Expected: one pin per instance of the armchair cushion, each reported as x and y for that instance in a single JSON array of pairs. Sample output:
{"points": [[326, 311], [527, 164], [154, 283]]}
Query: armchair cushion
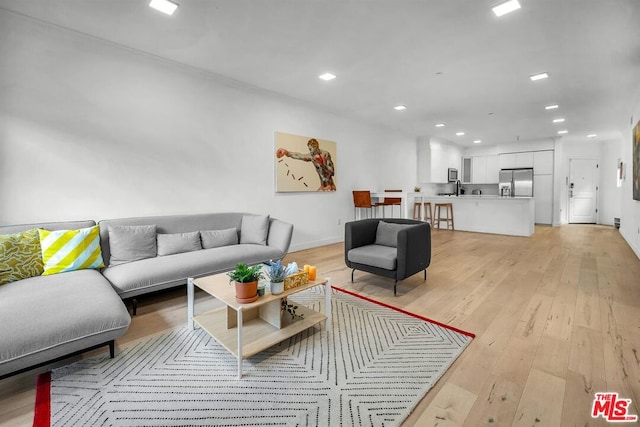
{"points": [[375, 255], [387, 233]]}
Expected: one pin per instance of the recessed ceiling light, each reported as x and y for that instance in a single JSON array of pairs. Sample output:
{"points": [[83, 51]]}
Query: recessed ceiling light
{"points": [[440, 125], [506, 7], [551, 107], [164, 6], [459, 133], [558, 120], [562, 132], [327, 76], [477, 141], [591, 135], [400, 107], [539, 76]]}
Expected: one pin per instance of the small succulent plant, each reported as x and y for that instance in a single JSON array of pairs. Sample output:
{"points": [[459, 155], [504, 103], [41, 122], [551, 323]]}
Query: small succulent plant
{"points": [[276, 272]]}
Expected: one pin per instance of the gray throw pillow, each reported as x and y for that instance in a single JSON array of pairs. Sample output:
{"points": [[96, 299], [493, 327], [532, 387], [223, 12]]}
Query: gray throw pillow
{"points": [[217, 238], [387, 233], [254, 229], [169, 244], [131, 243]]}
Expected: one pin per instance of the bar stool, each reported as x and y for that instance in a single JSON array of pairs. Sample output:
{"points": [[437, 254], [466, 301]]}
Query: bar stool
{"points": [[428, 216], [390, 201], [448, 208], [362, 200]]}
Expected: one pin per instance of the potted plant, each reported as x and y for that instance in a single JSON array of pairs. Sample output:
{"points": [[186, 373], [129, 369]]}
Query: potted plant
{"points": [[246, 280], [276, 273]]}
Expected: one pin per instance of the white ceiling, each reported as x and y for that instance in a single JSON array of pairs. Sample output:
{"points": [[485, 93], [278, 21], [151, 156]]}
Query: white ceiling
{"points": [[448, 61]]}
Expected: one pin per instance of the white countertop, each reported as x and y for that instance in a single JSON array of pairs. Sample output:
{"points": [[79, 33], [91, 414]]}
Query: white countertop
{"points": [[473, 196]]}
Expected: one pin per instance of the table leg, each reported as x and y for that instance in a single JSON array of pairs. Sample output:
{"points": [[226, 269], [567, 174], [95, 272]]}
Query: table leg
{"points": [[239, 342], [190, 292], [327, 304]]}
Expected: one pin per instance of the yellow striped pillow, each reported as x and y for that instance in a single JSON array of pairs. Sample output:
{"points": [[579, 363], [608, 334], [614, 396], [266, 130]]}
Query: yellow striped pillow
{"points": [[69, 250]]}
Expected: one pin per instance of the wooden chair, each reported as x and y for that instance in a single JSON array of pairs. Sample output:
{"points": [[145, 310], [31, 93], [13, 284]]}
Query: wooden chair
{"points": [[362, 200], [391, 201]]}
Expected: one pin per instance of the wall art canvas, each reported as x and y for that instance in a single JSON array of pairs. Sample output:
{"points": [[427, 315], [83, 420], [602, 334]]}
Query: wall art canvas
{"points": [[304, 163], [636, 162]]}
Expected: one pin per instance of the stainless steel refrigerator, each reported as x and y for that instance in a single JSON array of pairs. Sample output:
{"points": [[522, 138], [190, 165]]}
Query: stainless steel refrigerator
{"points": [[516, 182]]}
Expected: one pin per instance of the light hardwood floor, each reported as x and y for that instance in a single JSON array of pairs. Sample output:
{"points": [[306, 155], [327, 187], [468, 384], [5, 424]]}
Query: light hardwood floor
{"points": [[556, 318]]}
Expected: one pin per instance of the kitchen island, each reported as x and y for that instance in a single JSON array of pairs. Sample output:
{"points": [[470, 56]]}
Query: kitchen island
{"points": [[514, 216]]}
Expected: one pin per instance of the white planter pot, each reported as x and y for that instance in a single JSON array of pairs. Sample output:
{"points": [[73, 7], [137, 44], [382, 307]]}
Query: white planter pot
{"points": [[277, 288]]}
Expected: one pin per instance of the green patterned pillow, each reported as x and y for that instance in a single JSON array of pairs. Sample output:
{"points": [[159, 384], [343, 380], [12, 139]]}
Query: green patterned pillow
{"points": [[70, 250], [20, 256]]}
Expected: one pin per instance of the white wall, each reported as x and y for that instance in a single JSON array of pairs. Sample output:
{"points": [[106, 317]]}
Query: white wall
{"points": [[93, 130], [610, 203], [630, 217]]}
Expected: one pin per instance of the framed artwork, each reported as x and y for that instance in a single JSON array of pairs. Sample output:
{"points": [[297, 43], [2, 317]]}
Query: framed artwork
{"points": [[304, 163], [636, 162]]}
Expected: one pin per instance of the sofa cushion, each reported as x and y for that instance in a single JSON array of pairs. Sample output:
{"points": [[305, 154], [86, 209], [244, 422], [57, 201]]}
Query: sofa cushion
{"points": [[70, 250], [46, 317], [387, 233], [131, 243], [254, 229], [380, 256], [176, 243], [20, 256], [139, 277], [217, 238]]}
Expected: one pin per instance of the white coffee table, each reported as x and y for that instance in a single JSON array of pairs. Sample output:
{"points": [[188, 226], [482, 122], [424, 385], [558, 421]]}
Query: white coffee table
{"points": [[247, 329]]}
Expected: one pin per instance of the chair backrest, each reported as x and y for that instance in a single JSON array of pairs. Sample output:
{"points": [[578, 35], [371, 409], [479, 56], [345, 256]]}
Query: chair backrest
{"points": [[362, 199], [392, 200]]}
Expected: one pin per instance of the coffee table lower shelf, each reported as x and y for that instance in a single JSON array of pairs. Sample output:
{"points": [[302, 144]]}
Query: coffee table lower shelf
{"points": [[257, 334]]}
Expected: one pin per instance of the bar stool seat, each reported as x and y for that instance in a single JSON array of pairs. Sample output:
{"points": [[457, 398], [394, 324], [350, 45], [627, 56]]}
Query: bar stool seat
{"points": [[448, 218]]}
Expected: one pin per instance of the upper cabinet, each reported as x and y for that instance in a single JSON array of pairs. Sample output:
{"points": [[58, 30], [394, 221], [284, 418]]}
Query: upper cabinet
{"points": [[543, 162], [434, 160], [466, 170], [485, 169], [507, 161], [524, 160]]}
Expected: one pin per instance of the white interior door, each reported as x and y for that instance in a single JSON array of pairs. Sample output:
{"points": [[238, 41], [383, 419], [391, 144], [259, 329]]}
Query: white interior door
{"points": [[583, 190]]}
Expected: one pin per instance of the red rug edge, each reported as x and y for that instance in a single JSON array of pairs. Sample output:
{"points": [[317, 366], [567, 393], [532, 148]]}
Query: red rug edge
{"points": [[42, 412], [426, 319]]}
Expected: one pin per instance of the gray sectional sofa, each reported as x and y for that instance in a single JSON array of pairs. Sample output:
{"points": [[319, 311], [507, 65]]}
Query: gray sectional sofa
{"points": [[45, 318]]}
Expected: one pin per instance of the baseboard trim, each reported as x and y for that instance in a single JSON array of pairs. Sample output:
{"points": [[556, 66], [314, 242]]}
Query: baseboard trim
{"points": [[629, 241], [314, 244]]}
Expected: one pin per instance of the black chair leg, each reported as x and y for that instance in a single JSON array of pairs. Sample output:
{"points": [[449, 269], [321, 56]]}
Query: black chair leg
{"points": [[352, 271], [112, 348], [425, 274], [395, 285]]}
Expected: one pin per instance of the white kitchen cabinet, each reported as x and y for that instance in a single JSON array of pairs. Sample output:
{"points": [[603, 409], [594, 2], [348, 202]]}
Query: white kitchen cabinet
{"points": [[524, 159], [543, 162], [543, 195], [466, 170], [493, 169], [507, 161], [485, 169], [478, 169], [435, 159]]}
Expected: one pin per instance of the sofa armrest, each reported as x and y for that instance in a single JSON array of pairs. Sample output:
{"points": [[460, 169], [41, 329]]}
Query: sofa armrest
{"points": [[414, 250], [280, 234]]}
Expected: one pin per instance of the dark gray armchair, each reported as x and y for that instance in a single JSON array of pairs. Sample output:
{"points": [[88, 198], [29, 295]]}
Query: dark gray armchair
{"points": [[390, 247]]}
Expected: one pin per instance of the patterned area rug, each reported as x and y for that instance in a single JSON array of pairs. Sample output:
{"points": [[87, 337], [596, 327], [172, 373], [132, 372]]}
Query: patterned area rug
{"points": [[371, 368]]}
